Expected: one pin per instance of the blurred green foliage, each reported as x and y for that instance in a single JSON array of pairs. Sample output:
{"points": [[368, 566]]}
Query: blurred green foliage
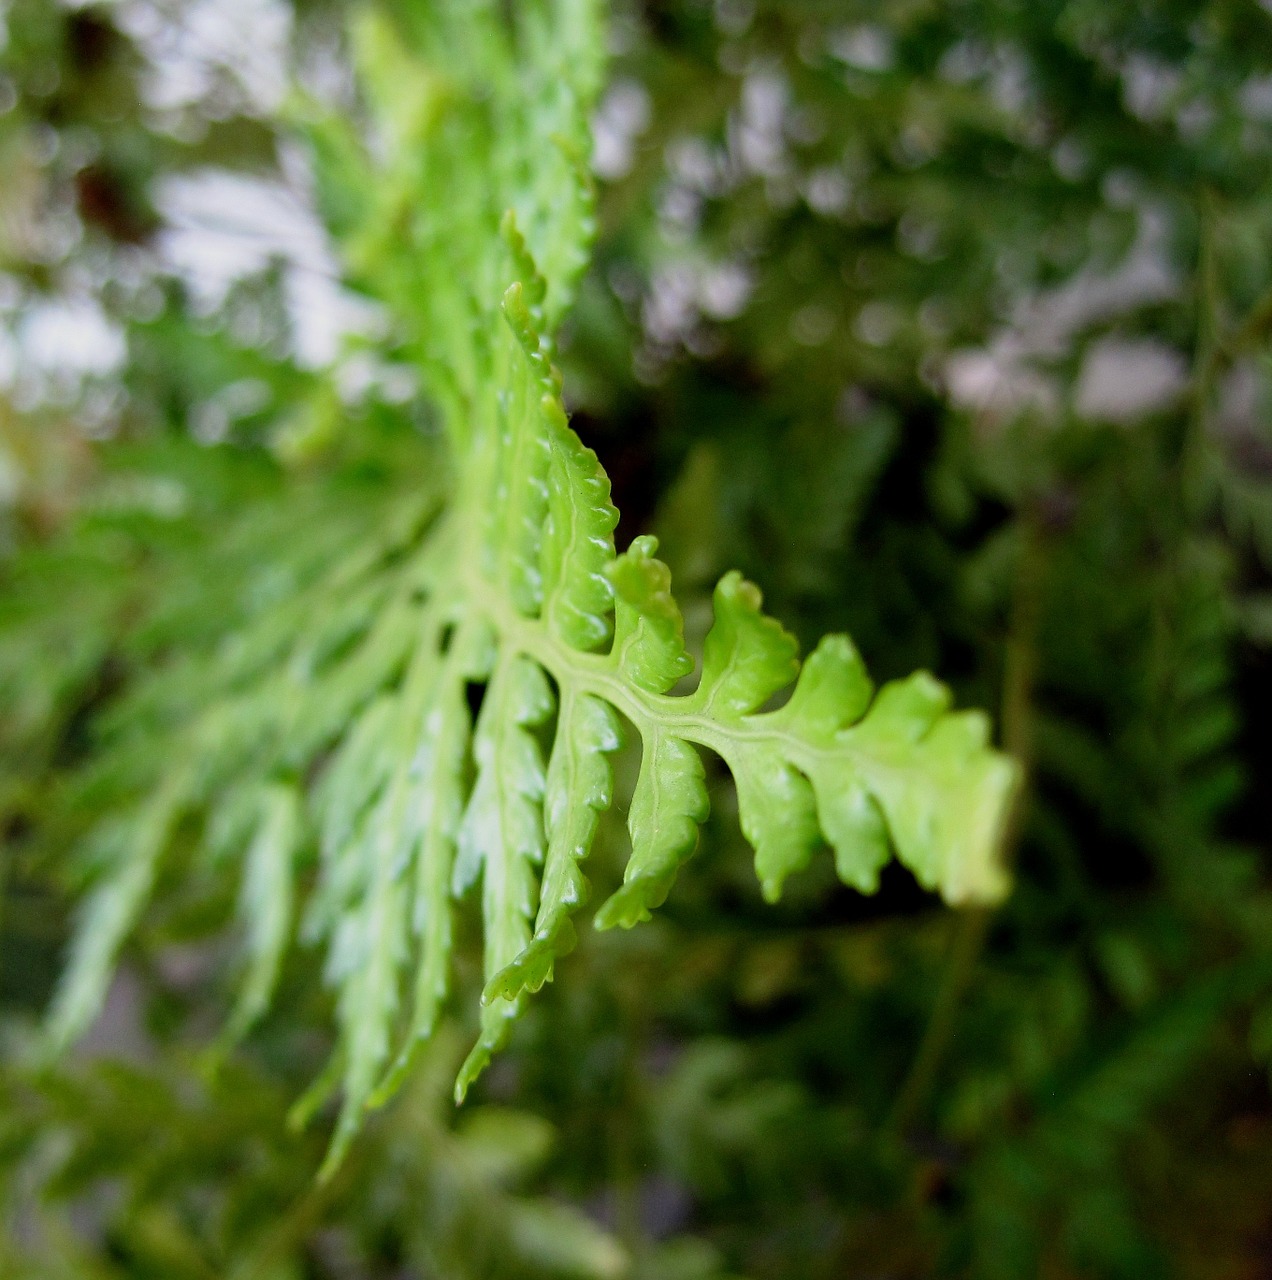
{"points": [[948, 324]]}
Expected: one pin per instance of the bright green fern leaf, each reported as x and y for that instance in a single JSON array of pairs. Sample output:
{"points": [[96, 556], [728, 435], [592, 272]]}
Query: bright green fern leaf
{"points": [[470, 220]]}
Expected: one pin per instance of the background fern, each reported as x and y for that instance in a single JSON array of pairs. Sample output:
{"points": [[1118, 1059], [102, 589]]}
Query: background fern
{"points": [[857, 275]]}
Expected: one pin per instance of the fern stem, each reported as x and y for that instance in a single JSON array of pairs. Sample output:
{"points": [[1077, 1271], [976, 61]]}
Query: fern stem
{"points": [[969, 937], [972, 926], [296, 1223], [651, 713]]}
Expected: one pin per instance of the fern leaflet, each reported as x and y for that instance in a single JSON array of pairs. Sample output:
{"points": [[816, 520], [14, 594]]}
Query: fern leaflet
{"points": [[471, 222]]}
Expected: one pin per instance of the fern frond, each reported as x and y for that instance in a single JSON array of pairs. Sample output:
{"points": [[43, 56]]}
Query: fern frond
{"points": [[472, 225]]}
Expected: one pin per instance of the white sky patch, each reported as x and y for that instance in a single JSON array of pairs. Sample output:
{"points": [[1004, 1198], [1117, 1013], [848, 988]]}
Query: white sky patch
{"points": [[756, 128], [1125, 379], [865, 48], [195, 47], [1011, 372], [1255, 98], [8, 357], [724, 289], [624, 114], [222, 226], [69, 338]]}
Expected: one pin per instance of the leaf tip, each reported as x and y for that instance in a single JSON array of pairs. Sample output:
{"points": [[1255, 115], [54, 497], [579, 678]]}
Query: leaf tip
{"points": [[771, 889]]}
